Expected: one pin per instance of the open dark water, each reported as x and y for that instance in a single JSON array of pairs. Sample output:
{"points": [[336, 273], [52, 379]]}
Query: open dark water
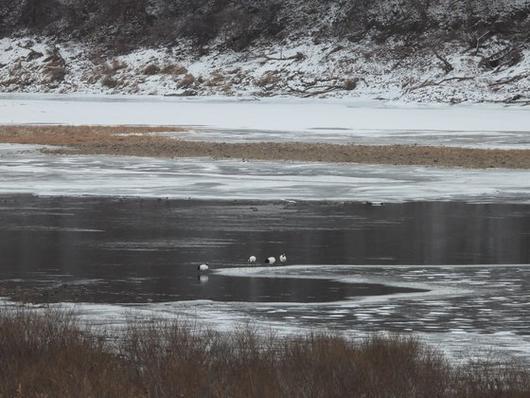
{"points": [[106, 250]]}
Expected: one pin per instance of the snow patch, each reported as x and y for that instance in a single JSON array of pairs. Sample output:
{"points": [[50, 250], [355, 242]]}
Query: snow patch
{"points": [[299, 67]]}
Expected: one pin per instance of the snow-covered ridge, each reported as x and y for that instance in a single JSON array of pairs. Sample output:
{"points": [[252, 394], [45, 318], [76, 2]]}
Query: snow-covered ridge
{"points": [[295, 68]]}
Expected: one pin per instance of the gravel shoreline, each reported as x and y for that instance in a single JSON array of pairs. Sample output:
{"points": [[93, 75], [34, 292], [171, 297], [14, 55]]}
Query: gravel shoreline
{"points": [[143, 141]]}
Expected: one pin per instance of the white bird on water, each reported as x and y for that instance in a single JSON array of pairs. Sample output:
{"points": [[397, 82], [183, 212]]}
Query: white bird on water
{"points": [[202, 268], [283, 258], [252, 259], [270, 260]]}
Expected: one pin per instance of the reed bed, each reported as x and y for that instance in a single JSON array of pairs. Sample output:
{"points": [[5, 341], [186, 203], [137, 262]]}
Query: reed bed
{"points": [[52, 355]]}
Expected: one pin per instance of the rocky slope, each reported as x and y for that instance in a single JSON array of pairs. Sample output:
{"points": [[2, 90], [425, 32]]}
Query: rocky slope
{"points": [[413, 50]]}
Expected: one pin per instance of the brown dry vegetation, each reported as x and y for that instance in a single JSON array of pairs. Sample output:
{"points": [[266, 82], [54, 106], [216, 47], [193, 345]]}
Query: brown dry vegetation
{"points": [[50, 355], [175, 70], [78, 135], [104, 140], [151, 69]]}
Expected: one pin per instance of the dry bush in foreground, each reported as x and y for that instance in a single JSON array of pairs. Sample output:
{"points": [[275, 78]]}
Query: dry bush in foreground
{"points": [[51, 355]]}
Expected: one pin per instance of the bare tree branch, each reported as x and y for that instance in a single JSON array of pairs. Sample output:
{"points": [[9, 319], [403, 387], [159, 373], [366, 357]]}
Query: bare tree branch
{"points": [[447, 67], [430, 83], [333, 51], [479, 42], [508, 56], [297, 57], [510, 80], [312, 89]]}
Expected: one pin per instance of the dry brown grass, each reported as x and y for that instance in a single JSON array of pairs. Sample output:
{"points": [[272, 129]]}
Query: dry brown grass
{"points": [[174, 69], [151, 69], [134, 142], [109, 81], [269, 78], [51, 355], [187, 81], [216, 79], [79, 135]]}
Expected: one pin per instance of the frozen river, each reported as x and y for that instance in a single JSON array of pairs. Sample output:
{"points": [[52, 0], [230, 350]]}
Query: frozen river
{"points": [[24, 169], [439, 252], [444, 270], [280, 119]]}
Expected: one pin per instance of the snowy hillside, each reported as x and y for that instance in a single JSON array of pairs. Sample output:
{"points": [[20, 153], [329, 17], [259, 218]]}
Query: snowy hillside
{"points": [[447, 51]]}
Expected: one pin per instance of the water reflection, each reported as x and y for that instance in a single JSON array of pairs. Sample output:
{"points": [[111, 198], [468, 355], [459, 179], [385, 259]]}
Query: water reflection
{"points": [[135, 250]]}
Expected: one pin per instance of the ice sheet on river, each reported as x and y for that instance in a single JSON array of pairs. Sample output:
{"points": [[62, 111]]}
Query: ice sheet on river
{"points": [[281, 119], [23, 169], [471, 310]]}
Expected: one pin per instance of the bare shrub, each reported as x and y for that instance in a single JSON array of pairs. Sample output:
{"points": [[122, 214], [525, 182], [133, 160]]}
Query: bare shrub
{"points": [[269, 78], [505, 58], [491, 380], [109, 82], [116, 65], [187, 81], [55, 73], [299, 56], [105, 71], [55, 67], [216, 79], [151, 69], [51, 355], [33, 55], [350, 84], [175, 70], [227, 89]]}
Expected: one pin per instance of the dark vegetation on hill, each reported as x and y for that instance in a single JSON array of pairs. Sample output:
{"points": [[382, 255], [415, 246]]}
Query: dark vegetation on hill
{"points": [[447, 51], [235, 24]]}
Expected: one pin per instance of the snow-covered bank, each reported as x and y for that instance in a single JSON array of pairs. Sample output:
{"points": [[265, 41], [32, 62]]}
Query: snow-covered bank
{"points": [[298, 67], [309, 120], [25, 170]]}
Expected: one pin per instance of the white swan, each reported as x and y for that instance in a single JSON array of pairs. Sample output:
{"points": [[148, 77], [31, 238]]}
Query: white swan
{"points": [[270, 260], [283, 258], [202, 268], [252, 259]]}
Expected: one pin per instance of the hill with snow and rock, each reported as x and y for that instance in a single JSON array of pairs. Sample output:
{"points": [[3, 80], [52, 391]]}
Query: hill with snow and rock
{"points": [[412, 50]]}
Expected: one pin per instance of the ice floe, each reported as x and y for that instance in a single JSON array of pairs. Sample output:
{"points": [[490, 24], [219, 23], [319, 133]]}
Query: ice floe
{"points": [[23, 169]]}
